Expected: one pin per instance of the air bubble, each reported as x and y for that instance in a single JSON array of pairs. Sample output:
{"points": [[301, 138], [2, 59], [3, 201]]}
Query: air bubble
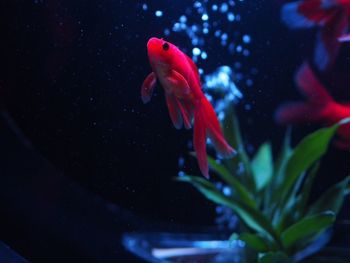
{"points": [[246, 39], [224, 37], [223, 8], [196, 51], [230, 17], [205, 17], [166, 32], [197, 4], [183, 19], [246, 52], [227, 191], [181, 174], [159, 13]]}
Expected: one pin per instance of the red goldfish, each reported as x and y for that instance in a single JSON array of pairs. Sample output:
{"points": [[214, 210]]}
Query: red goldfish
{"points": [[331, 16], [320, 107], [179, 77]]}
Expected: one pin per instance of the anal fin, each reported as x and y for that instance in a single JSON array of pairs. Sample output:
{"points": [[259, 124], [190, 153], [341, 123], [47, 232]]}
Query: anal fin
{"points": [[147, 87]]}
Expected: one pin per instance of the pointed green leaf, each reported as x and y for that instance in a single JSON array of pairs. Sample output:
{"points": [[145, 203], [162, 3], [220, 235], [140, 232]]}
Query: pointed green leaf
{"points": [[233, 135], [332, 199], [304, 194], [283, 158], [307, 152], [262, 166], [231, 129], [311, 225], [236, 185], [293, 210], [273, 194]]}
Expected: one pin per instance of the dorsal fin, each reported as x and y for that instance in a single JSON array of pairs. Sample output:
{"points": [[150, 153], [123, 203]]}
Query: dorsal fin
{"points": [[194, 68]]}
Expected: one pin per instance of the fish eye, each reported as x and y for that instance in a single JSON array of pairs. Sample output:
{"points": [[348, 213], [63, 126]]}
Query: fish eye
{"points": [[166, 46]]}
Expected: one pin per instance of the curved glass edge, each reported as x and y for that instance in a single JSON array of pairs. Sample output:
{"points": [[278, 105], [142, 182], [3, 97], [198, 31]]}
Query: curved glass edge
{"points": [[167, 247]]}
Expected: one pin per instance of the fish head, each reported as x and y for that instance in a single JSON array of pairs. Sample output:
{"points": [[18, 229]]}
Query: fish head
{"points": [[161, 53]]}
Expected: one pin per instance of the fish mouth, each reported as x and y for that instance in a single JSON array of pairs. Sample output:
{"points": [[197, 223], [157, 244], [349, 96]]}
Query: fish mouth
{"points": [[153, 41]]}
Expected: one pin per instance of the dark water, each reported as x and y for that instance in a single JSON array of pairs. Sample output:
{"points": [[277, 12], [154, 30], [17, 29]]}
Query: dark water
{"points": [[70, 78]]}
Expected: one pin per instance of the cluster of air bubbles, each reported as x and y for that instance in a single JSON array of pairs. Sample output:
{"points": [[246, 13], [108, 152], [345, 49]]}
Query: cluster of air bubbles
{"points": [[221, 89], [207, 22], [204, 20], [225, 217]]}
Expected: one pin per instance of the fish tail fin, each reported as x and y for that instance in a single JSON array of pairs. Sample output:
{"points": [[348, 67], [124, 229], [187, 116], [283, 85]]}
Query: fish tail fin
{"points": [[323, 14], [206, 125], [310, 86], [291, 16], [314, 109], [298, 112], [199, 142], [327, 43], [298, 14], [214, 131]]}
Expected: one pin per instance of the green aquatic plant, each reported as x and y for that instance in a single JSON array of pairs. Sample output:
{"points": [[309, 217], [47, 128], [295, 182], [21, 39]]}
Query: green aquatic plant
{"points": [[271, 197]]}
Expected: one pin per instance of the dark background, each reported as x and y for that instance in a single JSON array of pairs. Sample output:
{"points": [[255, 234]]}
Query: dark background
{"points": [[70, 77]]}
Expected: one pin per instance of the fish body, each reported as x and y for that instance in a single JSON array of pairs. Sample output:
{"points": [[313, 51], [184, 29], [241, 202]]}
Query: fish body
{"points": [[331, 16], [187, 104], [320, 107]]}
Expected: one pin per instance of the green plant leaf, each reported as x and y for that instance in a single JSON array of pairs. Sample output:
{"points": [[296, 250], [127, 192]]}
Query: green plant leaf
{"points": [[252, 217], [262, 166], [293, 210], [273, 193], [332, 199], [231, 129], [274, 257], [255, 242], [236, 185], [282, 160], [304, 194], [307, 152], [233, 135], [311, 225]]}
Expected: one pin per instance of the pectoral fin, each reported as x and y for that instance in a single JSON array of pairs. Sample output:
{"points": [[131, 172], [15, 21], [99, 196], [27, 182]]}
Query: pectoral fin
{"points": [[179, 85], [147, 87]]}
